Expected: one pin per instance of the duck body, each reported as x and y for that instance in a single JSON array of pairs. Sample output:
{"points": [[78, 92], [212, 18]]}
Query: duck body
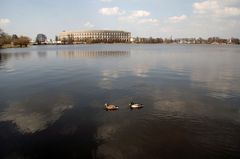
{"points": [[110, 107], [135, 105]]}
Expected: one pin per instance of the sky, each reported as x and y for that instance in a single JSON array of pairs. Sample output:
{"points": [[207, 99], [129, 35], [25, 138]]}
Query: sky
{"points": [[143, 18]]}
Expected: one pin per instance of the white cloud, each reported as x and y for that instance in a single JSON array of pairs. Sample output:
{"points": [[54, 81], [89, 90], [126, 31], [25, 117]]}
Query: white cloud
{"points": [[139, 16], [89, 25], [140, 13], [4, 21], [105, 0], [111, 11], [209, 17], [176, 19], [231, 11], [149, 21], [205, 6], [216, 8]]}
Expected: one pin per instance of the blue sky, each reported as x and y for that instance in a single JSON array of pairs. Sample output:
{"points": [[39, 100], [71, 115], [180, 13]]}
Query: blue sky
{"points": [[156, 18]]}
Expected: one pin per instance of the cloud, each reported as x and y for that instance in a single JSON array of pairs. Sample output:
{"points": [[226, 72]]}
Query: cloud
{"points": [[216, 8], [89, 25], [105, 0], [205, 6], [139, 16], [111, 11], [4, 21], [149, 21], [232, 11], [209, 17], [176, 19], [140, 13], [128, 18]]}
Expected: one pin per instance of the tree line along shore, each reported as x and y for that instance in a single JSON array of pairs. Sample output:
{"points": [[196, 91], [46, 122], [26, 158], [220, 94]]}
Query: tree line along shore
{"points": [[15, 41]]}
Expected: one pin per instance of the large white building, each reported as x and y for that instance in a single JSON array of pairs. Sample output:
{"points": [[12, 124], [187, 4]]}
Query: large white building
{"points": [[95, 35]]}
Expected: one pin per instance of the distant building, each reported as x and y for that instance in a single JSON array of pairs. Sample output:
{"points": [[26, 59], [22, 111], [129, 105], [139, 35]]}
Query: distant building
{"points": [[95, 36]]}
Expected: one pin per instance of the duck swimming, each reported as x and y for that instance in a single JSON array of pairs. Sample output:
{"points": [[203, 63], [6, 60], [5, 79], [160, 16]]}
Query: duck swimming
{"points": [[110, 107], [135, 105]]}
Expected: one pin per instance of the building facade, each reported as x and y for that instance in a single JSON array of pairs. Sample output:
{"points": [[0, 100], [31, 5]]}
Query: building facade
{"points": [[95, 36]]}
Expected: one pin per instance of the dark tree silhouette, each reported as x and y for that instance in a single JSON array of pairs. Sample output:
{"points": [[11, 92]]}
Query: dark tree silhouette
{"points": [[41, 39]]}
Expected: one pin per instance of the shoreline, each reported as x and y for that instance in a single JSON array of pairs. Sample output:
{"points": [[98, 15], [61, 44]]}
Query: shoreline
{"points": [[11, 46]]}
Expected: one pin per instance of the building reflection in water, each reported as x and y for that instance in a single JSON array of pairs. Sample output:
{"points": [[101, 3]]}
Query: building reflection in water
{"points": [[42, 54], [83, 53], [4, 57], [1, 59], [15, 55]]}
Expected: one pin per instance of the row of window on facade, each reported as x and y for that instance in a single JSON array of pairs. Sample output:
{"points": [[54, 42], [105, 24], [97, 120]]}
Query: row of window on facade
{"points": [[127, 39], [96, 37], [116, 34]]}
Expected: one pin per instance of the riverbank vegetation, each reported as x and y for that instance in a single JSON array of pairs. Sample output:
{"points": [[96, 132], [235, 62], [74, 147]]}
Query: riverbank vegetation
{"points": [[210, 40], [12, 41], [141, 40]]}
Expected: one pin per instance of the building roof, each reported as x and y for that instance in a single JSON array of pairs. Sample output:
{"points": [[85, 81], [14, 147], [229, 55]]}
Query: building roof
{"points": [[94, 31]]}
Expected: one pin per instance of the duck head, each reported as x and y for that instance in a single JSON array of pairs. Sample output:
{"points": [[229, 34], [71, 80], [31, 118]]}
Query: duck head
{"points": [[131, 103]]}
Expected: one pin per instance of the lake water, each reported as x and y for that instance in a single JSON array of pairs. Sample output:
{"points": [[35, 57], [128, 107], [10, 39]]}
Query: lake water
{"points": [[52, 98]]}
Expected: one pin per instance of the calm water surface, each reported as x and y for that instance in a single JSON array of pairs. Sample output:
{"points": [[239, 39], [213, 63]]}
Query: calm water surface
{"points": [[52, 97]]}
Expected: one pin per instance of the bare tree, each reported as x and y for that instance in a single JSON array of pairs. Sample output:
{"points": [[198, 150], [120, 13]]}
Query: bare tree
{"points": [[24, 41]]}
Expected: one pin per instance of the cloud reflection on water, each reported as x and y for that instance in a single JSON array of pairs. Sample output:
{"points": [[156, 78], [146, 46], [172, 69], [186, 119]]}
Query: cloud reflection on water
{"points": [[217, 74], [217, 77], [172, 84], [113, 145], [35, 114]]}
